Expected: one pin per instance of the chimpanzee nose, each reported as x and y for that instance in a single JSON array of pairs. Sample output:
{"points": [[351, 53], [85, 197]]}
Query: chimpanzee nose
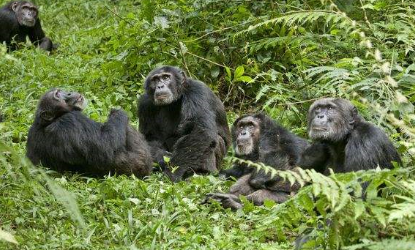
{"points": [[320, 116], [160, 87], [243, 133]]}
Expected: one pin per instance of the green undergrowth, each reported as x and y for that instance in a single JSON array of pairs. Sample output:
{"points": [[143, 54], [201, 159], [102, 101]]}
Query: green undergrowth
{"points": [[270, 56]]}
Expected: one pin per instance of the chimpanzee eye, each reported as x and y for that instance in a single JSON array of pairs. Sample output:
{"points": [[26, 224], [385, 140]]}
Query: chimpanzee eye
{"points": [[154, 82], [165, 77]]}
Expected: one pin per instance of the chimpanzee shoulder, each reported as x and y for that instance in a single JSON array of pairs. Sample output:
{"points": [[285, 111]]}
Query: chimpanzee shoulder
{"points": [[278, 138], [368, 146]]}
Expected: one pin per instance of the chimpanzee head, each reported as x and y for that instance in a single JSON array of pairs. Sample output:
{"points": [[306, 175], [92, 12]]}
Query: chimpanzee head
{"points": [[56, 102], [332, 119], [26, 13], [165, 85], [245, 134]]}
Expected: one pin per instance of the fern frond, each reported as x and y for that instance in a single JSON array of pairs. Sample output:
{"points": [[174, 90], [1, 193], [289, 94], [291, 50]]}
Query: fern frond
{"points": [[303, 17]]}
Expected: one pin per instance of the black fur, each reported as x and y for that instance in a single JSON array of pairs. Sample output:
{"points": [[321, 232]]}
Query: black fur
{"points": [[193, 127], [347, 143], [70, 141], [277, 148], [11, 30]]}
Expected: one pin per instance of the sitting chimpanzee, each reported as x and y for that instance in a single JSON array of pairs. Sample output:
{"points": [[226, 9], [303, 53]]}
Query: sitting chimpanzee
{"points": [[64, 139], [19, 19], [343, 140], [257, 138], [183, 118]]}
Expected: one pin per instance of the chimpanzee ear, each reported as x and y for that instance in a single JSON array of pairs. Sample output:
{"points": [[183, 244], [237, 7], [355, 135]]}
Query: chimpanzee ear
{"points": [[183, 76], [47, 115], [14, 6], [355, 116]]}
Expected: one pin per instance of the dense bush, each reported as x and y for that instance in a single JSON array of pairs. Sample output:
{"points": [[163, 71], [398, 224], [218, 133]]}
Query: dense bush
{"points": [[276, 56]]}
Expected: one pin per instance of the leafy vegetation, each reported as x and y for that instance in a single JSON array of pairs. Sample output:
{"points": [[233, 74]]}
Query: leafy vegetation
{"points": [[276, 56]]}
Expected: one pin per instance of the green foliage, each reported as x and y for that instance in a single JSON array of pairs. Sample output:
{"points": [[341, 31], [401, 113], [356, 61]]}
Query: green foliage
{"points": [[256, 55]]}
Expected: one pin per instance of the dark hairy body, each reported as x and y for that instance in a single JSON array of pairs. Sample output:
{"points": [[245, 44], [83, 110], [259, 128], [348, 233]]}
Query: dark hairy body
{"points": [[64, 139], [183, 119], [18, 20], [344, 141], [258, 138]]}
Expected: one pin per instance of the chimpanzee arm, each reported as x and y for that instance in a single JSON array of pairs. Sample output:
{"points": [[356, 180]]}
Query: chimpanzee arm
{"points": [[237, 170], [37, 37], [193, 152], [196, 111], [276, 159], [114, 131], [316, 157], [146, 118], [198, 134]]}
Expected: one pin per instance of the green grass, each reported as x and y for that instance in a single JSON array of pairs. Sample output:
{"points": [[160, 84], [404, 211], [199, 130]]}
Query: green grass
{"points": [[122, 212]]}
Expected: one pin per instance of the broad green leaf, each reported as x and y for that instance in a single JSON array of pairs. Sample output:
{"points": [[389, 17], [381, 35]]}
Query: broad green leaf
{"points": [[239, 72]]}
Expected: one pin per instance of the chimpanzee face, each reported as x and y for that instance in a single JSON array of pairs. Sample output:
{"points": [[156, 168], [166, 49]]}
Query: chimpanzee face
{"points": [[246, 134], [165, 84], [26, 13], [73, 100], [57, 102], [331, 119], [162, 85]]}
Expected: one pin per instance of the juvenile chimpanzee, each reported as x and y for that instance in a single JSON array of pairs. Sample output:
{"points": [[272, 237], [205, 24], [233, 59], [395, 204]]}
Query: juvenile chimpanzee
{"points": [[259, 139], [19, 19], [64, 139], [343, 140], [182, 116]]}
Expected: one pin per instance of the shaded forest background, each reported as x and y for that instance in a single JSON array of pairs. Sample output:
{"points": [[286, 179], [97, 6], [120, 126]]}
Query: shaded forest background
{"points": [[271, 56]]}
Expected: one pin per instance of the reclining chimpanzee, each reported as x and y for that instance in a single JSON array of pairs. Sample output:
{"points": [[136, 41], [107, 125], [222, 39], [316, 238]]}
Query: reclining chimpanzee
{"points": [[64, 139]]}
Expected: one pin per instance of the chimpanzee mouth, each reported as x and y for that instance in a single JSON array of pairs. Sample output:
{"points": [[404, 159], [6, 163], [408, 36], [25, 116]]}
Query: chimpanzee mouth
{"points": [[29, 23], [163, 96], [80, 102], [163, 99], [315, 128], [244, 149]]}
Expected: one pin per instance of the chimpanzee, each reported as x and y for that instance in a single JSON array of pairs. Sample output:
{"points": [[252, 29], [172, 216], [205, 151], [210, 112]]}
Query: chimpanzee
{"points": [[64, 139], [19, 19], [184, 118], [343, 140], [260, 139]]}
